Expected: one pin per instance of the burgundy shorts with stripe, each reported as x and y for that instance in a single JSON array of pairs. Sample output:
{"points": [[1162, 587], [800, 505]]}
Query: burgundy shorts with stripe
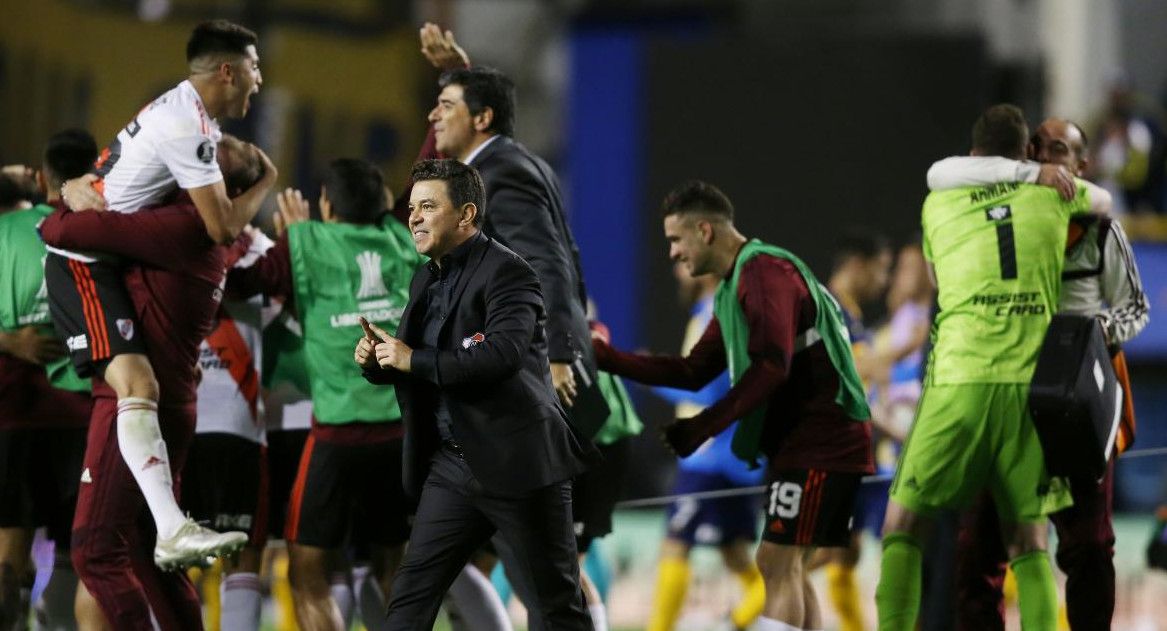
{"points": [[810, 507], [91, 311]]}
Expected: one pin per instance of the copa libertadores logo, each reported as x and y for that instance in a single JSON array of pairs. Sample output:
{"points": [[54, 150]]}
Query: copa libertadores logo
{"points": [[372, 285]]}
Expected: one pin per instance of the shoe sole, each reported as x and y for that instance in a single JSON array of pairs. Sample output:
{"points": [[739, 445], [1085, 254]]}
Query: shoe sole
{"points": [[202, 558]]}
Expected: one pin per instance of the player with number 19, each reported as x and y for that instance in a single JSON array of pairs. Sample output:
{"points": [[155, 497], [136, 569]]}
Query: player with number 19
{"points": [[796, 395]]}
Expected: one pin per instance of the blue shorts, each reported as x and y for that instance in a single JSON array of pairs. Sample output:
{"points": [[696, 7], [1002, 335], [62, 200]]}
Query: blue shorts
{"points": [[870, 506], [712, 522]]}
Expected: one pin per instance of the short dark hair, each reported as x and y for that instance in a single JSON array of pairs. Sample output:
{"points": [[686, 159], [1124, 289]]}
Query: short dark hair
{"points": [[1001, 131], [218, 37], [696, 196], [240, 164], [69, 154], [356, 190], [484, 87], [463, 183], [856, 242]]}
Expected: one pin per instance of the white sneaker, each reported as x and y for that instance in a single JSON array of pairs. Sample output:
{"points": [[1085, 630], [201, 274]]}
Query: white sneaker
{"points": [[193, 544]]}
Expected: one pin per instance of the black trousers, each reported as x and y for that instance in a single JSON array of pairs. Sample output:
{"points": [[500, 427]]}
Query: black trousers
{"points": [[455, 516]]}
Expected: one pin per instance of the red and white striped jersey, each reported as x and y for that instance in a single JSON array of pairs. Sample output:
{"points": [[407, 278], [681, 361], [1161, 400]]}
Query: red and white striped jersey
{"points": [[231, 358]]}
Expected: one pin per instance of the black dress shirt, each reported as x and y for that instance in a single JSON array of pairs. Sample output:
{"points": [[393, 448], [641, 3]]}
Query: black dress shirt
{"points": [[439, 295]]}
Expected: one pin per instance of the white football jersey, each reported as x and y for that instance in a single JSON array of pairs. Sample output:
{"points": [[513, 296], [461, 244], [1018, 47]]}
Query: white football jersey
{"points": [[169, 145], [231, 359]]}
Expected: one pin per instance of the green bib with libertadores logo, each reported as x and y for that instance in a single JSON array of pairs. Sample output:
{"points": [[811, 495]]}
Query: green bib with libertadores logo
{"points": [[24, 300], [342, 272]]}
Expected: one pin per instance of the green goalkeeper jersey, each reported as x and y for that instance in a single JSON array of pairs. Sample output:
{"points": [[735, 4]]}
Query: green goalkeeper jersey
{"points": [[998, 253]]}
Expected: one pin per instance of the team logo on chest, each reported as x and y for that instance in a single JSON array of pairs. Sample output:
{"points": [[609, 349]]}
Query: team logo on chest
{"points": [[125, 328], [473, 340], [998, 213], [372, 284]]}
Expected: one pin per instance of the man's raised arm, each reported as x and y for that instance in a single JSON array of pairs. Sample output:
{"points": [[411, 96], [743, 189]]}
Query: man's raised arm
{"points": [[225, 217], [961, 171]]}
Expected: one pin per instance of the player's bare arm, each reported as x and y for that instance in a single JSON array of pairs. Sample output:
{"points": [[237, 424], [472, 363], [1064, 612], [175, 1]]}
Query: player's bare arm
{"points": [[226, 217]]}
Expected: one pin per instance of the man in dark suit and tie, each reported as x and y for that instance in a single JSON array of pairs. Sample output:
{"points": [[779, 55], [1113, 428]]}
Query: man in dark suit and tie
{"points": [[474, 122], [487, 444]]}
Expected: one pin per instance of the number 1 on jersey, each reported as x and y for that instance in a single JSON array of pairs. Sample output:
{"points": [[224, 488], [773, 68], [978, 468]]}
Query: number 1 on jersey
{"points": [[1006, 248]]}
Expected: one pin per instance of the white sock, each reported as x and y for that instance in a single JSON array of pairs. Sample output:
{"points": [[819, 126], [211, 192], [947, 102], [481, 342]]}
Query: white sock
{"points": [[241, 602], [56, 601], [769, 624], [370, 601], [599, 616], [144, 451], [477, 603], [342, 593]]}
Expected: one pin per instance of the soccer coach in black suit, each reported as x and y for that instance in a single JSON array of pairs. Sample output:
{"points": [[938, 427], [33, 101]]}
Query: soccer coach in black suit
{"points": [[487, 444], [474, 122]]}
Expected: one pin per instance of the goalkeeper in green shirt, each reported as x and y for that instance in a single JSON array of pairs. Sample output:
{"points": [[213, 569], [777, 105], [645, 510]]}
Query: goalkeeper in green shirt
{"points": [[996, 253]]}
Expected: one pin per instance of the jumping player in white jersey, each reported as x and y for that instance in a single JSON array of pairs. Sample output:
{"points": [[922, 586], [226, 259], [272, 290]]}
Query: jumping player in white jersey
{"points": [[170, 145]]}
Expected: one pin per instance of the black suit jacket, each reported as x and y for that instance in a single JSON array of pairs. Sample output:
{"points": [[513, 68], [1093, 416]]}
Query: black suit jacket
{"points": [[505, 412], [524, 212]]}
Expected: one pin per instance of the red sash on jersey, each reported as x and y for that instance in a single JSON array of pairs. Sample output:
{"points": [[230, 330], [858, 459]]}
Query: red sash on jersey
{"points": [[228, 343]]}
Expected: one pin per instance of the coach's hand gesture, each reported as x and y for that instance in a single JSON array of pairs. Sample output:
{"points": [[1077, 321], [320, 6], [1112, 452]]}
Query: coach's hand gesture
{"points": [[441, 49], [389, 351], [366, 352]]}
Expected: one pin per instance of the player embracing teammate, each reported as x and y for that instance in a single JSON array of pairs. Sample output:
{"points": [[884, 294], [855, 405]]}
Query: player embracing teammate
{"points": [[174, 188]]}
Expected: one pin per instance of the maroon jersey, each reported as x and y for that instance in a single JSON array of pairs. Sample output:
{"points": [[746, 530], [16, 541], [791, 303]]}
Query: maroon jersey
{"points": [[805, 428], [174, 277]]}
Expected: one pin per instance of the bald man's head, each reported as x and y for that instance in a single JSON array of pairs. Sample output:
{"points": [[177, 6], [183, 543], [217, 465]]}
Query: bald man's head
{"points": [[1059, 141]]}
